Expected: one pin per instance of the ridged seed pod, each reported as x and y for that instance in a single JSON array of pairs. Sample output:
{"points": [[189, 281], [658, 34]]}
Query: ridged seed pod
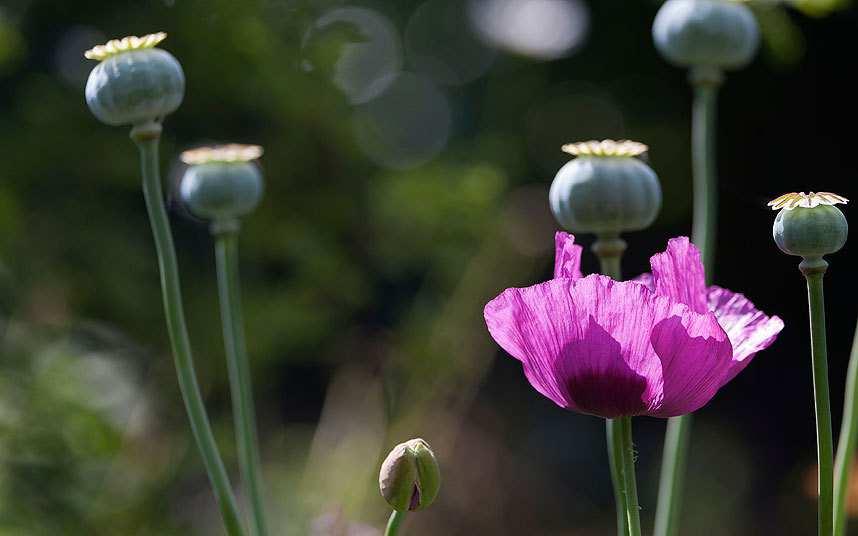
{"points": [[809, 225], [706, 33], [222, 182], [605, 189], [134, 83]]}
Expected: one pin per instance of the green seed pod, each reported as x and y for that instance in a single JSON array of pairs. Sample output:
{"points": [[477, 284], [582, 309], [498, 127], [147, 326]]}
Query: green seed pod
{"points": [[410, 477], [706, 33], [605, 190], [222, 183], [809, 225], [134, 83]]}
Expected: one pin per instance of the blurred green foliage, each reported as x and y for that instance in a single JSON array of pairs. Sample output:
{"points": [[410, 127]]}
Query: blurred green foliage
{"points": [[364, 278]]}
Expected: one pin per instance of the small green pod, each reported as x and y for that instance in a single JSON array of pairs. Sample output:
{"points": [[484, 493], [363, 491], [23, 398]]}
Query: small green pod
{"points": [[605, 192], [222, 183], [706, 33], [810, 232], [134, 83], [410, 477]]}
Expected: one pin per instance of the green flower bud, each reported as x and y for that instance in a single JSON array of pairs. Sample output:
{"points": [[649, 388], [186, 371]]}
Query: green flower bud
{"points": [[605, 190], [410, 477], [706, 33], [134, 83], [809, 225], [222, 183]]}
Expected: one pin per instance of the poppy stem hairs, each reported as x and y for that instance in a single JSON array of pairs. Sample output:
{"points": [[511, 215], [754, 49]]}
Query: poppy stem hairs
{"points": [[137, 84], [810, 226]]}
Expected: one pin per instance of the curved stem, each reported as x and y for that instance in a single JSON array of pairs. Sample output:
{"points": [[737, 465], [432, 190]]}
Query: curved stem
{"points": [[632, 508], [393, 524], [846, 443], [226, 249], [703, 233], [819, 356], [147, 142], [609, 249]]}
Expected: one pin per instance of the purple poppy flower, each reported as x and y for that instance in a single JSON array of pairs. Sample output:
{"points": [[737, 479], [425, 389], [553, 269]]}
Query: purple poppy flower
{"points": [[613, 349]]}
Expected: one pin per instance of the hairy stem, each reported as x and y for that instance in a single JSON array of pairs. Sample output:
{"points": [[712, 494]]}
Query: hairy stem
{"points": [[631, 488], [226, 249], [146, 137]]}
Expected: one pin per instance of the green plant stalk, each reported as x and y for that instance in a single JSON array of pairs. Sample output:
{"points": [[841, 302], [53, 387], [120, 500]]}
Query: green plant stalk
{"points": [[609, 249], [846, 444], [703, 233], [146, 137], [394, 523], [226, 253], [631, 491], [813, 270]]}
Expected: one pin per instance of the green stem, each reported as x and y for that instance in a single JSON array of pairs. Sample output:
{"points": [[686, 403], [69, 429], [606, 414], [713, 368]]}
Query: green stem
{"points": [[614, 434], [703, 234], [813, 270], [609, 249], [146, 137], [631, 488], [846, 444], [226, 248], [393, 524]]}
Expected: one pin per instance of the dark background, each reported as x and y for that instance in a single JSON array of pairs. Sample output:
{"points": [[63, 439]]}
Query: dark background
{"points": [[386, 226]]}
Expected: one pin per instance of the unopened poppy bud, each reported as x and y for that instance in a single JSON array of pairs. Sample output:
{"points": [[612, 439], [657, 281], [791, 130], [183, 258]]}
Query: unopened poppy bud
{"points": [[410, 477], [605, 189], [706, 33], [809, 225], [222, 183], [134, 83]]}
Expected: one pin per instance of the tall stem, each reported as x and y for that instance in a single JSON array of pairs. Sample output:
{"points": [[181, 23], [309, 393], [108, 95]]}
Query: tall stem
{"points": [[609, 249], [146, 137], [394, 523], [813, 270], [846, 444], [632, 508], [226, 249], [703, 232]]}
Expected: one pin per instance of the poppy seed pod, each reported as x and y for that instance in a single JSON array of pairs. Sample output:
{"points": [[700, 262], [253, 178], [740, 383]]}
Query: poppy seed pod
{"points": [[410, 477], [706, 33], [222, 183], [809, 225], [134, 83], [605, 189]]}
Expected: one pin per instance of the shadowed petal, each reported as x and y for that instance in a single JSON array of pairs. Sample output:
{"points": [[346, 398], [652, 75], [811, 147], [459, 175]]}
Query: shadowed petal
{"points": [[535, 325], [567, 256], [695, 356], [749, 329], [678, 274]]}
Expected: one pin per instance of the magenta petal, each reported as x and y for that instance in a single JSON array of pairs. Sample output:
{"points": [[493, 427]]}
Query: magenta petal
{"points": [[678, 274], [534, 325], [695, 356], [567, 256], [749, 329]]}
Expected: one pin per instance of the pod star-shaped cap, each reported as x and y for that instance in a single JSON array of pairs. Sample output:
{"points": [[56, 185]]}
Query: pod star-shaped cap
{"points": [[810, 200], [605, 148], [126, 44], [227, 154]]}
